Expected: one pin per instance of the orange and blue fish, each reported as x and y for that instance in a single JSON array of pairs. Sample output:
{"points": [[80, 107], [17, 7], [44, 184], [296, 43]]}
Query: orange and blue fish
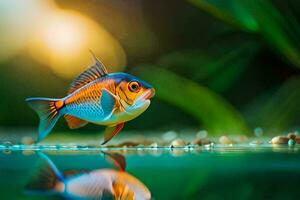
{"points": [[98, 97], [103, 183]]}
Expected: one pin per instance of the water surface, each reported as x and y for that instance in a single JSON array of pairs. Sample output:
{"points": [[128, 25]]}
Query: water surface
{"points": [[221, 172]]}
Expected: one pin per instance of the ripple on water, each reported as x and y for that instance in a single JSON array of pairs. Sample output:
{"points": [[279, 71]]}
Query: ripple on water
{"points": [[185, 147]]}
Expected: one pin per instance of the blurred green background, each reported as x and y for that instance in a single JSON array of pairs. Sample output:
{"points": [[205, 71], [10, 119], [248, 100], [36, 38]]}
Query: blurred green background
{"points": [[226, 66]]}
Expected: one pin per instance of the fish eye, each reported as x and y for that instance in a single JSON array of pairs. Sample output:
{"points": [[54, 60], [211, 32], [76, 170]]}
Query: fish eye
{"points": [[134, 86]]}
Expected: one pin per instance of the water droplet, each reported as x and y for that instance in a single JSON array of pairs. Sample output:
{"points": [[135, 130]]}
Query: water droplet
{"points": [[82, 147], [75, 147], [16, 147], [291, 142], [255, 142], [178, 143], [225, 140], [7, 151], [7, 144], [28, 152]]}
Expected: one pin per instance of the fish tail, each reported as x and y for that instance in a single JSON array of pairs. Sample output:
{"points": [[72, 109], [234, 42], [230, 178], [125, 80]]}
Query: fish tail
{"points": [[47, 179], [48, 111]]}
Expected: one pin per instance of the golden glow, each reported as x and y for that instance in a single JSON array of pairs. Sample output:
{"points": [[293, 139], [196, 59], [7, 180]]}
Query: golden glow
{"points": [[18, 22], [63, 40], [57, 38], [63, 34]]}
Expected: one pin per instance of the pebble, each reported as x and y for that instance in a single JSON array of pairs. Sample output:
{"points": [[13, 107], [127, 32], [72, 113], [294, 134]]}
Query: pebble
{"points": [[169, 136], [291, 136], [225, 140], [128, 144], [198, 141], [291, 142], [297, 140], [28, 152], [201, 134], [140, 147], [27, 140], [158, 152], [256, 142], [242, 138], [154, 145], [280, 140], [178, 143], [177, 152]]}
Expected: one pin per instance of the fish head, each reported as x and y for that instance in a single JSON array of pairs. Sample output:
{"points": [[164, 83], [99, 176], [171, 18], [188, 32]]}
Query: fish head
{"points": [[134, 93]]}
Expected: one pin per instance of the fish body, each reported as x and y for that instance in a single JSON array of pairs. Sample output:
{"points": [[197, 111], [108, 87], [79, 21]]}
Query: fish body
{"points": [[94, 184], [104, 182], [101, 101], [96, 97]]}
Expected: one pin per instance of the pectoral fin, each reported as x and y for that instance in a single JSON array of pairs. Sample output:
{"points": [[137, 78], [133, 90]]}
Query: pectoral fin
{"points": [[107, 102], [110, 132]]}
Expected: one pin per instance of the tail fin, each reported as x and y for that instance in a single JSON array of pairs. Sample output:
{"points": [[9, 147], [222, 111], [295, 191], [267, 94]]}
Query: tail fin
{"points": [[48, 111], [46, 180]]}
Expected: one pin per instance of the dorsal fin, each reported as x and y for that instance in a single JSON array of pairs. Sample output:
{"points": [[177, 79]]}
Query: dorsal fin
{"points": [[97, 70]]}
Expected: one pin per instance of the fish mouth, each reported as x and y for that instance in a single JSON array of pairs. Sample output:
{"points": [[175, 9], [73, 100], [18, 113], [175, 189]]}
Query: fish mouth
{"points": [[142, 102], [149, 94], [146, 96]]}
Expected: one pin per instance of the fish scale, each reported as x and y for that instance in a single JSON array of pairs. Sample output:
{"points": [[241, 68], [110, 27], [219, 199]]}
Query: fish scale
{"points": [[85, 103]]}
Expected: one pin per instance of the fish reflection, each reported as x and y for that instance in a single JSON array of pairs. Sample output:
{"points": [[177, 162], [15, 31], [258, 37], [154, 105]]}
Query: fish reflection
{"points": [[94, 184]]}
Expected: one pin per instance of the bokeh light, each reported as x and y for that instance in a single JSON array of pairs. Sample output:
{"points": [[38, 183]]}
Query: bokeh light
{"points": [[63, 40], [18, 20], [58, 38]]}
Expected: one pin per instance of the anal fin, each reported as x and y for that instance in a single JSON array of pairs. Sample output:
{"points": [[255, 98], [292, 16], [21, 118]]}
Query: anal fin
{"points": [[110, 132], [74, 122], [117, 159]]}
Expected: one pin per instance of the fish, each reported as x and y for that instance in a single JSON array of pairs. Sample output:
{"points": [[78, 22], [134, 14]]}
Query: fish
{"points": [[103, 183], [98, 97]]}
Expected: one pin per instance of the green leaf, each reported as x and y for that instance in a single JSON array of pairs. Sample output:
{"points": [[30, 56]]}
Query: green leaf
{"points": [[219, 67], [210, 110], [234, 12], [259, 17], [281, 110]]}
